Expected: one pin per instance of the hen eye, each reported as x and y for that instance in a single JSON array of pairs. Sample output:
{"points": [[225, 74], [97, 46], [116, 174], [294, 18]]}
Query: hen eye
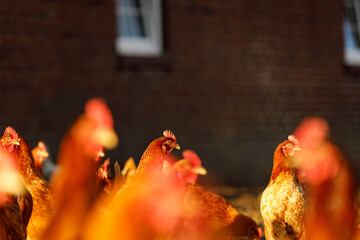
{"points": [[7, 138], [289, 145]]}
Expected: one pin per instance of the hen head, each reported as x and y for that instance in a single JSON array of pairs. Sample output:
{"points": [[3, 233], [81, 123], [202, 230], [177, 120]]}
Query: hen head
{"points": [[290, 146], [284, 156], [320, 159], [189, 168], [169, 143], [312, 132], [40, 152], [10, 140], [102, 132]]}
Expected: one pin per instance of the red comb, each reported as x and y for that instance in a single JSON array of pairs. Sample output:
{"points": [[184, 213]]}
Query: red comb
{"points": [[192, 157], [97, 110], [312, 131], [11, 132], [169, 134], [41, 146], [106, 164], [259, 232], [293, 139]]}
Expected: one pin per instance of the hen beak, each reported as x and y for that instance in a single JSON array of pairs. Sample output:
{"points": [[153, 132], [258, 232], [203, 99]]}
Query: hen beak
{"points": [[177, 146], [200, 170], [296, 148], [44, 154], [107, 138], [16, 142], [101, 154]]}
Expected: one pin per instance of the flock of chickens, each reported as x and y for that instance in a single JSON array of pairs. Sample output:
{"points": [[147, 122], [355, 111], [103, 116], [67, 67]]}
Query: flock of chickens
{"points": [[311, 193]]}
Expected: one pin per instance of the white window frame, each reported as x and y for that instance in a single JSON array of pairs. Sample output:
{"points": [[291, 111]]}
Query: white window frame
{"points": [[148, 46], [352, 56]]}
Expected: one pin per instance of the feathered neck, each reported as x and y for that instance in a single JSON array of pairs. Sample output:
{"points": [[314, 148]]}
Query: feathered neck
{"points": [[280, 164], [152, 159], [25, 163]]}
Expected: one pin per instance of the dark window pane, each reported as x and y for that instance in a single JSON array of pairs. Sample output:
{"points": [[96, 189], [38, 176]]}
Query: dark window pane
{"points": [[124, 26], [136, 26], [352, 38], [130, 3], [137, 3]]}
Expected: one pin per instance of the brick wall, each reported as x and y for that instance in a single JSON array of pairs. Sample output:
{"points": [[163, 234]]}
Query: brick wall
{"points": [[236, 77]]}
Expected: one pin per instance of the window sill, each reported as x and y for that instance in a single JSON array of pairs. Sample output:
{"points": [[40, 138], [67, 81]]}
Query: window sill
{"points": [[138, 47], [352, 58]]}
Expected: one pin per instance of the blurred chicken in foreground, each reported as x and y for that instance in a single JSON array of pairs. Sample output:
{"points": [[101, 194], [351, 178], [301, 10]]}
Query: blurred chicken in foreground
{"points": [[12, 224], [129, 185], [331, 212], [283, 201], [41, 194], [146, 210], [206, 215], [74, 183], [148, 206]]}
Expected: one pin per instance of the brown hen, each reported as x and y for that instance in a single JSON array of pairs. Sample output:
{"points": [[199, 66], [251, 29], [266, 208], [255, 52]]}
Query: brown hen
{"points": [[43, 207], [12, 226], [207, 215], [74, 184], [40, 154], [331, 213], [12, 222], [147, 192], [152, 160], [283, 201]]}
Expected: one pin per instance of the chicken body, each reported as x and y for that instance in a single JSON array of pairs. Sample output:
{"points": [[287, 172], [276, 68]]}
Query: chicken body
{"points": [[331, 213], [151, 163], [147, 209], [209, 216], [283, 202], [282, 208], [43, 207], [13, 221], [145, 206], [12, 226], [43, 203], [74, 184], [26, 206]]}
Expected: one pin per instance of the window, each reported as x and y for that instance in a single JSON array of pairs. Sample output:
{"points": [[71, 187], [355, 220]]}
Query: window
{"points": [[351, 33], [139, 31]]}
